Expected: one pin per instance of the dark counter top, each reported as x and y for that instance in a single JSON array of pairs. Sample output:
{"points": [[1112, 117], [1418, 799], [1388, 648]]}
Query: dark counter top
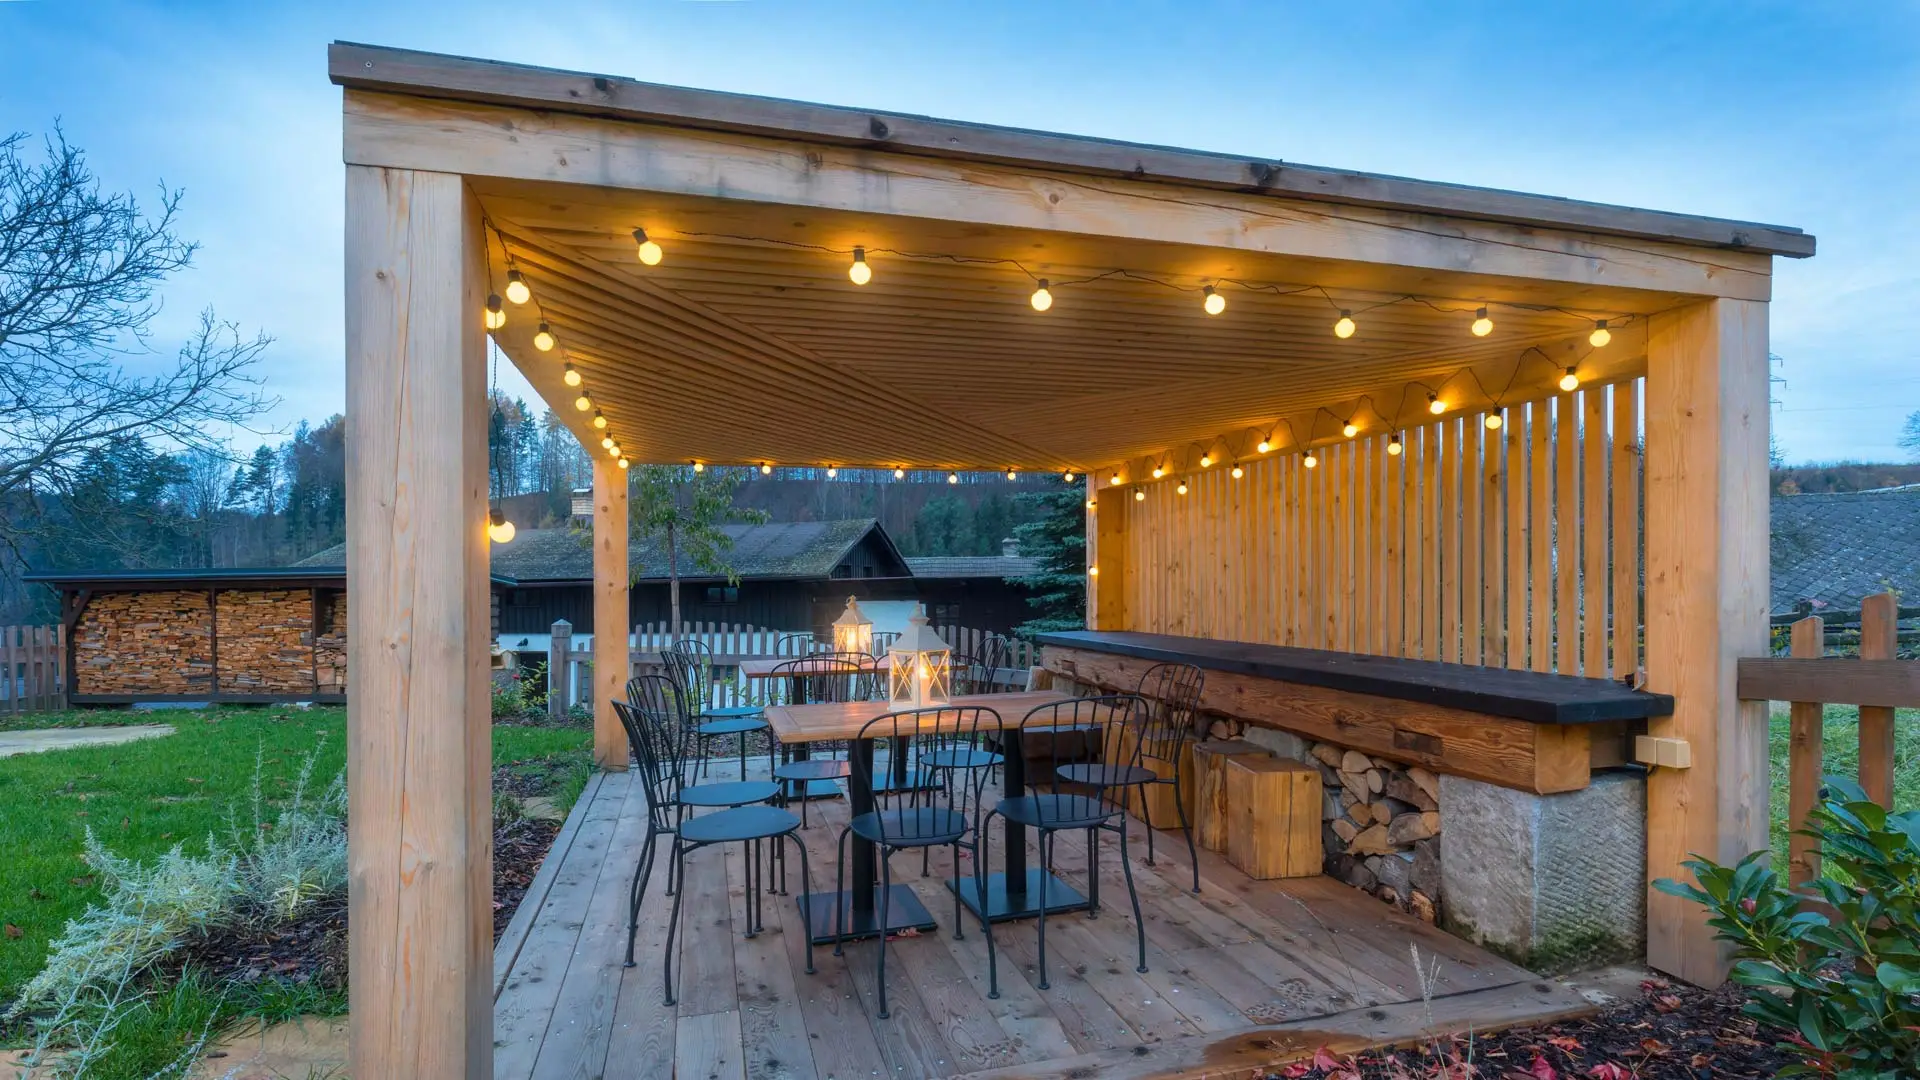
{"points": [[1518, 695]]}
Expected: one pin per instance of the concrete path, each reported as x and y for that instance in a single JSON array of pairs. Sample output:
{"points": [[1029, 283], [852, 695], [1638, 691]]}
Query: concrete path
{"points": [[34, 742]]}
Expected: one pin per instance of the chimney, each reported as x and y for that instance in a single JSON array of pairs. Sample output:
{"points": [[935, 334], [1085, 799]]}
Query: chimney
{"points": [[1010, 548]]}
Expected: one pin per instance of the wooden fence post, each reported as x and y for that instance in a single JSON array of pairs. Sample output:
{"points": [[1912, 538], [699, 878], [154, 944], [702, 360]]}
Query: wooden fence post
{"points": [[560, 670], [1804, 761], [1878, 637]]}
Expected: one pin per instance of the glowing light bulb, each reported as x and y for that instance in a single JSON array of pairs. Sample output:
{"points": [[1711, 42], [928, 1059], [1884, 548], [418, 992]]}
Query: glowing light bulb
{"points": [[623, 464], [599, 421], [1238, 472], [1601, 335], [1115, 480], [583, 402], [899, 474], [1012, 475], [499, 529], [832, 472], [1139, 496], [1482, 325], [606, 442], [543, 339], [496, 316], [1350, 430], [766, 469], [1435, 405], [953, 478], [1265, 445], [859, 273], [1494, 421], [613, 448], [1214, 302], [1067, 476], [1093, 571], [1180, 488], [1393, 445], [1345, 327], [649, 252], [1206, 461], [698, 466], [517, 290], [1310, 461], [570, 376], [1569, 382], [1158, 472], [1041, 299], [1091, 503]]}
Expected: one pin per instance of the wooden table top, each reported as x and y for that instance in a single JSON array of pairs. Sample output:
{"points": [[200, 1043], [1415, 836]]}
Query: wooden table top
{"points": [[843, 720], [764, 668]]}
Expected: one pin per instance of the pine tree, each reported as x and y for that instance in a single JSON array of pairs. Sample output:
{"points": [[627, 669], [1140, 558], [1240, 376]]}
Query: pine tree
{"points": [[1056, 534]]}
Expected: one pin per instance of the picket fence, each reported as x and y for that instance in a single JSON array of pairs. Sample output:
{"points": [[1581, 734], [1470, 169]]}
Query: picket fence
{"points": [[33, 676]]}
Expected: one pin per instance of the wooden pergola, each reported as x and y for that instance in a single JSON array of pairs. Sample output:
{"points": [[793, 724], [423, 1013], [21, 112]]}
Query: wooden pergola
{"points": [[1252, 476]]}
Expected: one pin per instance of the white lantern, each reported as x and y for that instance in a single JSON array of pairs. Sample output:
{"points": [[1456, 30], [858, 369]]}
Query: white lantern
{"points": [[920, 666], [853, 631]]}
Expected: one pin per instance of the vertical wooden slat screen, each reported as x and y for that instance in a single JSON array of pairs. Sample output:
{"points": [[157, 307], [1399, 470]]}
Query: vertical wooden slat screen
{"points": [[1516, 546]]}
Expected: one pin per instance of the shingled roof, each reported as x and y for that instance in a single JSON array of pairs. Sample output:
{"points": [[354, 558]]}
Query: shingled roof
{"points": [[1833, 549], [797, 549], [974, 566]]}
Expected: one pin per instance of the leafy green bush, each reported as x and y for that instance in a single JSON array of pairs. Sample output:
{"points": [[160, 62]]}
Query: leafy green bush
{"points": [[1844, 985]]}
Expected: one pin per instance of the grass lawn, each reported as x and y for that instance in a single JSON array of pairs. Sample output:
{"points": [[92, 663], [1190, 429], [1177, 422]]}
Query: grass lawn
{"points": [[143, 797], [1841, 757]]}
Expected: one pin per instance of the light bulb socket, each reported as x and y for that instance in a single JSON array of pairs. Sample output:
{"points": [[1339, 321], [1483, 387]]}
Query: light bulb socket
{"points": [[859, 254], [493, 302], [495, 516], [639, 236]]}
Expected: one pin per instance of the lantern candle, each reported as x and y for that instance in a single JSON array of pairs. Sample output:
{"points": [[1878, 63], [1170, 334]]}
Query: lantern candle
{"points": [[920, 665], [853, 631]]}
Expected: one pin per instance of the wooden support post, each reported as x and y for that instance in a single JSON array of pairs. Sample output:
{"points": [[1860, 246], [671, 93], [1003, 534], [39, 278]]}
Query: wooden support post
{"points": [[1879, 635], [1107, 555], [1804, 753], [1706, 598], [612, 662], [559, 669], [420, 893]]}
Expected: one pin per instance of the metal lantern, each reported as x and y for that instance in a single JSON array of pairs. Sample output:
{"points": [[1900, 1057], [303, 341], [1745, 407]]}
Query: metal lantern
{"points": [[920, 665], [853, 631]]}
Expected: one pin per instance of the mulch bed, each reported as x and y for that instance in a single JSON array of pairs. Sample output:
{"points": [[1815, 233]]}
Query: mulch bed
{"points": [[518, 848], [1670, 1032]]}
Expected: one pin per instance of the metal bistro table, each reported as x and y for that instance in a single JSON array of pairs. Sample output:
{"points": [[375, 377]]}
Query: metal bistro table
{"points": [[1013, 894]]}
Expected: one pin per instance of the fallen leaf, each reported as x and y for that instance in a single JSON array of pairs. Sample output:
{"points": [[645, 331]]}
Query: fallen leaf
{"points": [[1667, 1003], [195, 780], [1655, 1047], [1607, 1070], [81, 882], [14, 931], [1542, 1069], [1565, 1042], [1296, 1070]]}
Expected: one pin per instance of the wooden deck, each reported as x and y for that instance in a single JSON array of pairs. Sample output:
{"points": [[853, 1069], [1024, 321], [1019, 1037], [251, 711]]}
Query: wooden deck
{"points": [[1245, 974]]}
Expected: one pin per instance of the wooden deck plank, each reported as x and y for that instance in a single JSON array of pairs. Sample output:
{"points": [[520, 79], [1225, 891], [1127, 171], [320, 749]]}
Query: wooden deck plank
{"points": [[705, 969], [709, 1047], [524, 1008], [576, 1042], [960, 1011], [773, 1030], [514, 937], [839, 1034]]}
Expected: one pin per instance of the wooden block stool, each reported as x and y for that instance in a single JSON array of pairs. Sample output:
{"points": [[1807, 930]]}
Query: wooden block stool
{"points": [[1207, 794], [1273, 806]]}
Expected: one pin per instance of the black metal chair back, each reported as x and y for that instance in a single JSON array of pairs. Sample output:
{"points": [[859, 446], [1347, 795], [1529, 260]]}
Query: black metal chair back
{"points": [[922, 734], [816, 679], [659, 751], [1056, 729], [689, 664], [996, 657], [797, 645], [883, 640], [1173, 691]]}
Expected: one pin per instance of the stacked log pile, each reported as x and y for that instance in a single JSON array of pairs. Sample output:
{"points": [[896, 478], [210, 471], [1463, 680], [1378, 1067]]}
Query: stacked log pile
{"points": [[264, 637], [144, 643], [1381, 826], [330, 648]]}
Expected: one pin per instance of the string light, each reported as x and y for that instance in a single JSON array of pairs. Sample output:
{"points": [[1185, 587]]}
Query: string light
{"points": [[1265, 445], [1493, 421], [1570, 381], [1393, 445], [1482, 325], [766, 469], [1115, 480], [496, 315], [649, 252], [1206, 461], [1214, 303], [1238, 472], [583, 402], [1041, 299], [1434, 404], [1350, 430], [1180, 488], [1140, 495], [517, 290], [1601, 335], [623, 464], [606, 442], [859, 273], [543, 338], [698, 466], [570, 376], [832, 472], [499, 529], [899, 474], [1091, 503], [1067, 476], [953, 478], [1345, 327], [1012, 475], [1093, 571], [1158, 472], [599, 421], [1310, 461], [613, 448]]}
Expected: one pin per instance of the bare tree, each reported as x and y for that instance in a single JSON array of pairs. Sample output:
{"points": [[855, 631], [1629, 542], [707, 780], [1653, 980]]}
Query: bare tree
{"points": [[79, 273]]}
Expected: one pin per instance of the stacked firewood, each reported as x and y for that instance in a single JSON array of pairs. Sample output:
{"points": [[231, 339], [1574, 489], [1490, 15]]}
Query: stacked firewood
{"points": [[1381, 826]]}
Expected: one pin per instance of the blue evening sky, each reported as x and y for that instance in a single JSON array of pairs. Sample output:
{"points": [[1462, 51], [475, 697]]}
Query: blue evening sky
{"points": [[1790, 113]]}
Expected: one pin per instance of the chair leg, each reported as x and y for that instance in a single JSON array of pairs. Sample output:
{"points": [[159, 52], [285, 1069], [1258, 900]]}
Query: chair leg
{"points": [[1146, 818], [673, 925], [957, 927], [886, 899], [806, 895], [753, 857], [638, 892], [1139, 924], [1180, 808], [986, 925], [839, 890], [1093, 871], [1046, 863]]}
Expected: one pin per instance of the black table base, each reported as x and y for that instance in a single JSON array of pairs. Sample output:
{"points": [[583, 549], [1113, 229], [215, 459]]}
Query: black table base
{"points": [[1003, 905], [905, 912]]}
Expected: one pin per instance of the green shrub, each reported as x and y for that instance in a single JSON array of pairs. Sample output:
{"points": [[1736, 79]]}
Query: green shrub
{"points": [[1844, 986]]}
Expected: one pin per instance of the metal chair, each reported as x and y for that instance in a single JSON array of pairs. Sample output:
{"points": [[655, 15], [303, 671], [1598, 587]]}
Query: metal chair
{"points": [[658, 701], [922, 818], [690, 663], [1057, 810], [883, 640], [818, 679], [797, 645], [1157, 732], [661, 767], [1172, 691]]}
